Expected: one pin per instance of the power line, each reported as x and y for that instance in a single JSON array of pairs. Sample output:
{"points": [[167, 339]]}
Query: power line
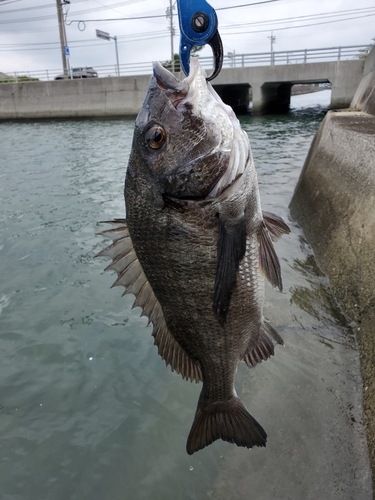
{"points": [[82, 46], [36, 7], [225, 29], [87, 11], [6, 3], [120, 37], [85, 43], [322, 15], [300, 26], [246, 5]]}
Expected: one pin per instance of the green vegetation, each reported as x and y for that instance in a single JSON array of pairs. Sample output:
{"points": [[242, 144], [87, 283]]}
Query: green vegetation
{"points": [[177, 63], [176, 57], [21, 78]]}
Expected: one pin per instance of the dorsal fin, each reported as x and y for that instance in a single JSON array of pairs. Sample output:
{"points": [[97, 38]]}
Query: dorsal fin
{"points": [[130, 275]]}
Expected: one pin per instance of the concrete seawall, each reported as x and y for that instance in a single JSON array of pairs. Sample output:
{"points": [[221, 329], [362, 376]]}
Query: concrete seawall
{"points": [[81, 98], [334, 202], [123, 96]]}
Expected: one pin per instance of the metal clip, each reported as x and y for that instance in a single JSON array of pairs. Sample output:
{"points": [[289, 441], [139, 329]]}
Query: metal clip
{"points": [[199, 26]]}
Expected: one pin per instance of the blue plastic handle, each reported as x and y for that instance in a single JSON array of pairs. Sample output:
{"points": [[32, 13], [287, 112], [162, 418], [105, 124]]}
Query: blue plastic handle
{"points": [[198, 26]]}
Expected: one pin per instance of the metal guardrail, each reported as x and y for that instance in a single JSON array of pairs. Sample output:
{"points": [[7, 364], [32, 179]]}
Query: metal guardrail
{"points": [[304, 56], [328, 54]]}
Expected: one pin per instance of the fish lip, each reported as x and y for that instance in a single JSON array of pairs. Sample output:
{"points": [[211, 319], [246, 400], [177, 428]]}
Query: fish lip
{"points": [[167, 81]]}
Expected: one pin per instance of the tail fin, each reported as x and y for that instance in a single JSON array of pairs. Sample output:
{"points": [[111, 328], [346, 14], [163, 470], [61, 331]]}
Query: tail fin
{"points": [[229, 421]]}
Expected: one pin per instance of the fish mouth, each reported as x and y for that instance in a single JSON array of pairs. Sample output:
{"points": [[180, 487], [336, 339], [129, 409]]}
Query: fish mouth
{"points": [[176, 90], [166, 80], [196, 82]]}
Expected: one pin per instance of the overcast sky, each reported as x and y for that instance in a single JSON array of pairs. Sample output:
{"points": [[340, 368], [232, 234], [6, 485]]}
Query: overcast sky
{"points": [[29, 35]]}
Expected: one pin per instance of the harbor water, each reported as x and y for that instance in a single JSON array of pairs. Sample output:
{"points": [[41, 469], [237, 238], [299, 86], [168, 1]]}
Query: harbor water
{"points": [[88, 410]]}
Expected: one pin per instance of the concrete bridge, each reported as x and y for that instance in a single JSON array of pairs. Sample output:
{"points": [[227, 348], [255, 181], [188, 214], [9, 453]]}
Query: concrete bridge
{"points": [[271, 75], [271, 85], [270, 82]]}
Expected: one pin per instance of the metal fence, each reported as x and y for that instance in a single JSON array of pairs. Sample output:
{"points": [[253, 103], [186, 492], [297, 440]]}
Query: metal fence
{"points": [[290, 57], [231, 60]]}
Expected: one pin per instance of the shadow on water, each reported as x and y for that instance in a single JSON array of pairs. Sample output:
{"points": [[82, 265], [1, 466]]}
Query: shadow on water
{"points": [[316, 299]]}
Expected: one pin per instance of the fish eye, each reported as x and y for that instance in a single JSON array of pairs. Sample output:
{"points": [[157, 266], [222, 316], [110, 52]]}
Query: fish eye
{"points": [[155, 136]]}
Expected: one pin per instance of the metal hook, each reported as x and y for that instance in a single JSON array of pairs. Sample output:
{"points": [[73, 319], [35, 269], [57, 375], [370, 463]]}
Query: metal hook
{"points": [[199, 26]]}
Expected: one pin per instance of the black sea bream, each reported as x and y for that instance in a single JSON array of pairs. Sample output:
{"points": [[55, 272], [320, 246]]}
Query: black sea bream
{"points": [[195, 246]]}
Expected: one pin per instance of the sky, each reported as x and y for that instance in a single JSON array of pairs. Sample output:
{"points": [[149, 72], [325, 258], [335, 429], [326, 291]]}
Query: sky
{"points": [[30, 41]]}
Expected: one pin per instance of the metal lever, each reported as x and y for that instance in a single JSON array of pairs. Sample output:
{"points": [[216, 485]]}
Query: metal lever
{"points": [[199, 26]]}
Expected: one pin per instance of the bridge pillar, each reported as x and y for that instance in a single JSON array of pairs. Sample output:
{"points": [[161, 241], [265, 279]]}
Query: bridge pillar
{"points": [[272, 97], [257, 100], [235, 95]]}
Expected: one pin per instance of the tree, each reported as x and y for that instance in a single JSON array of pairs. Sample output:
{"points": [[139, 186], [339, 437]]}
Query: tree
{"points": [[177, 64], [365, 52]]}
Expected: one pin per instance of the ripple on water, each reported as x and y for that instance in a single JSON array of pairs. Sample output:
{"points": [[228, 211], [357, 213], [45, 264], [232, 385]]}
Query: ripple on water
{"points": [[88, 409]]}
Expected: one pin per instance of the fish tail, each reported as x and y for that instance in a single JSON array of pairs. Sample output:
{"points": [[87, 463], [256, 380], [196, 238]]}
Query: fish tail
{"points": [[229, 421]]}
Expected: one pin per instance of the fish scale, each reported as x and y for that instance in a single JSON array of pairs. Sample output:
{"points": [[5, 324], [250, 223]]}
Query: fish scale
{"points": [[196, 246]]}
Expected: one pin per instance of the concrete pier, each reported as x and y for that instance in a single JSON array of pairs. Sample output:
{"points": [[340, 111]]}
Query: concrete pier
{"points": [[334, 202]]}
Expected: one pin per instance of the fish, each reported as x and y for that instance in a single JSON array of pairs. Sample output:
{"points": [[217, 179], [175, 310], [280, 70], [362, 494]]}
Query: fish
{"points": [[195, 248]]}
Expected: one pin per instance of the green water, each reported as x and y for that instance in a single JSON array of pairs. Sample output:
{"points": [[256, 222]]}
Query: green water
{"points": [[88, 410]]}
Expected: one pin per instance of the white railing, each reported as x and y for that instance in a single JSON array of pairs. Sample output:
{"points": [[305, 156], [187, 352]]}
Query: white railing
{"points": [[230, 61], [291, 56]]}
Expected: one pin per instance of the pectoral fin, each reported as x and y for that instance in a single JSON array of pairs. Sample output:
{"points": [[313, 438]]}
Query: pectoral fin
{"points": [[230, 251], [131, 276]]}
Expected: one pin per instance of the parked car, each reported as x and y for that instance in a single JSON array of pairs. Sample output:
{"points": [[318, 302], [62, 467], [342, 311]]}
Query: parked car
{"points": [[86, 72]]}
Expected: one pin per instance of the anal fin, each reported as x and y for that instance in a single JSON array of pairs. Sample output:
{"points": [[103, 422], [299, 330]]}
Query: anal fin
{"points": [[264, 347]]}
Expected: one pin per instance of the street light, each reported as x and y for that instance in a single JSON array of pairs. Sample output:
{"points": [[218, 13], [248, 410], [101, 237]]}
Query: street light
{"points": [[106, 36]]}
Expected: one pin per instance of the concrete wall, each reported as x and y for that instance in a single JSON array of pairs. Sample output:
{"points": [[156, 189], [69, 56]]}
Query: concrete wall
{"points": [[334, 202], [81, 98], [123, 96], [364, 97]]}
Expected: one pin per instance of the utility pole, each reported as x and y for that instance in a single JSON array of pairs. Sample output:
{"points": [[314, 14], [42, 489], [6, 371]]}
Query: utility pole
{"points": [[171, 28], [63, 40], [273, 40], [118, 65]]}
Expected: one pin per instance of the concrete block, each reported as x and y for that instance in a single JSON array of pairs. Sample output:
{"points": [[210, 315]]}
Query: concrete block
{"points": [[334, 202]]}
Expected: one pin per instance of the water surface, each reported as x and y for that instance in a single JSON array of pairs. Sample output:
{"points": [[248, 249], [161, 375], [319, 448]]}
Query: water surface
{"points": [[88, 409]]}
